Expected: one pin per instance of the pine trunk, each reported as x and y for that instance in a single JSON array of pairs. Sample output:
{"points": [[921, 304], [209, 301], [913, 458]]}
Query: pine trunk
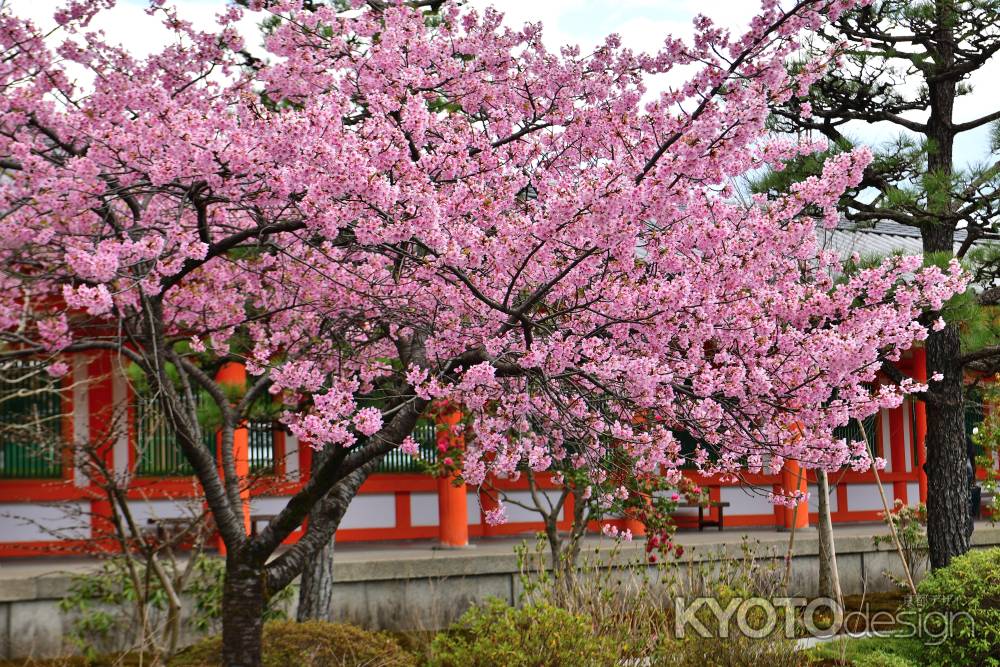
{"points": [[947, 484]]}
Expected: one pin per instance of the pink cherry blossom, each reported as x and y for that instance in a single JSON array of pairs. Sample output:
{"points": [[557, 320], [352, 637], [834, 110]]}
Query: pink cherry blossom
{"points": [[410, 446], [497, 516], [454, 214]]}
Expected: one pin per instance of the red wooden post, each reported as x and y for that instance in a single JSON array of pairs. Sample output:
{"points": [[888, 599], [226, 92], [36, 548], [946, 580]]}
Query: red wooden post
{"points": [[897, 453], [920, 431], [234, 374], [101, 438], [453, 509], [101, 403], [793, 478], [634, 526], [487, 503]]}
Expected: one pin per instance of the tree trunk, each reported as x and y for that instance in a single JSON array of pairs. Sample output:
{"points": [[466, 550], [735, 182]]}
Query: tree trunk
{"points": [[316, 590], [947, 485], [243, 600], [829, 575], [316, 587]]}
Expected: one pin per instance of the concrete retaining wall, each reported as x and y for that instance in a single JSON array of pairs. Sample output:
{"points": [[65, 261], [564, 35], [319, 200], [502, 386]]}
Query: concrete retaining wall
{"points": [[427, 589]]}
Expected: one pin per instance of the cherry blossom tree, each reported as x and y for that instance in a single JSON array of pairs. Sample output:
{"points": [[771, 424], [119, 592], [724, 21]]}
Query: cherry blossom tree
{"points": [[381, 214]]}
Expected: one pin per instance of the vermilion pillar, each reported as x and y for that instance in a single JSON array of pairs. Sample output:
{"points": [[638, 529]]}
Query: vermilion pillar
{"points": [[100, 437], [453, 509], [793, 478], [897, 450], [487, 503], [234, 374], [920, 417], [633, 524]]}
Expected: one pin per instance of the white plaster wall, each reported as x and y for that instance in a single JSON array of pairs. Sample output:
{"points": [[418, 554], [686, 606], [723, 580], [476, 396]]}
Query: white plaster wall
{"points": [[519, 514], [913, 493], [375, 510], [267, 505], [472, 502], [865, 497], [424, 509], [119, 396], [291, 456], [814, 498], [886, 440], [81, 416], [143, 510], [28, 522], [743, 501]]}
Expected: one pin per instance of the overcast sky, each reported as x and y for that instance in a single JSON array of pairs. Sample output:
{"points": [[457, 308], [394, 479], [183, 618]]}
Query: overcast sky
{"points": [[643, 24]]}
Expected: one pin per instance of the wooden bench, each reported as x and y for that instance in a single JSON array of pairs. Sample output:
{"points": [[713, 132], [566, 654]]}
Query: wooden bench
{"points": [[702, 521]]}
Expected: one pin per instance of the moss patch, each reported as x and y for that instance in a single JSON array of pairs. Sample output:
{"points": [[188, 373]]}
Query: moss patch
{"points": [[310, 644]]}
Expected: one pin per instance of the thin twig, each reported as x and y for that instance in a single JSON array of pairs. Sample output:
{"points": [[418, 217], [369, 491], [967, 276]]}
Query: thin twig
{"points": [[888, 515]]}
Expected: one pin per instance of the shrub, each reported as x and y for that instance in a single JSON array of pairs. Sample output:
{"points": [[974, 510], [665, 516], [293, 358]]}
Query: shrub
{"points": [[958, 607], [911, 529], [539, 635], [309, 644], [107, 612], [734, 651]]}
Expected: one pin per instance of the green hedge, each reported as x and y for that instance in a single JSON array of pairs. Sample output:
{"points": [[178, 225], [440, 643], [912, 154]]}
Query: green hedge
{"points": [[959, 606]]}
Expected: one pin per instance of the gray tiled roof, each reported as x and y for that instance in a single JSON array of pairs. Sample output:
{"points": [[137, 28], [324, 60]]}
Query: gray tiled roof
{"points": [[881, 238]]}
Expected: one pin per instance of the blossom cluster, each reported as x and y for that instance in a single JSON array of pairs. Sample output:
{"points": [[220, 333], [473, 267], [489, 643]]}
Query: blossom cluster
{"points": [[382, 211]]}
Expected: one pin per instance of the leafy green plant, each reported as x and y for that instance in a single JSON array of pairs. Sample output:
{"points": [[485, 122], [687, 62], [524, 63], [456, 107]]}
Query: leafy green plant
{"points": [[108, 612], [881, 659], [958, 608], [986, 437], [911, 528], [622, 598], [629, 599], [205, 590], [538, 635], [97, 602]]}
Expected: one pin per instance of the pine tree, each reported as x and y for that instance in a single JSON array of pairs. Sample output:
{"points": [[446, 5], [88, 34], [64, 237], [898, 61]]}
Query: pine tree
{"points": [[915, 181]]}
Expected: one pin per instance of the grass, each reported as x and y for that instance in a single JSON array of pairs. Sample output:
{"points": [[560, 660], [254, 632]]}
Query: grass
{"points": [[867, 651]]}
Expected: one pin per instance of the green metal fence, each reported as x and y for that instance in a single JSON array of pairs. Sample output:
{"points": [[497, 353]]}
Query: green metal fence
{"points": [[261, 437], [30, 423], [425, 433], [159, 454], [852, 433]]}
